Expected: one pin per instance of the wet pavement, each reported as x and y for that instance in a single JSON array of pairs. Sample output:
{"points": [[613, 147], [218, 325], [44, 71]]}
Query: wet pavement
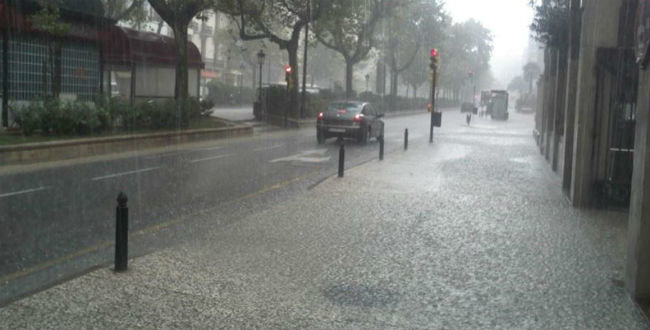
{"points": [[471, 232]]}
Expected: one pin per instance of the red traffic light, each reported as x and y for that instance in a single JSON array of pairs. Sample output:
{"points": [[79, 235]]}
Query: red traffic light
{"points": [[287, 69], [434, 52]]}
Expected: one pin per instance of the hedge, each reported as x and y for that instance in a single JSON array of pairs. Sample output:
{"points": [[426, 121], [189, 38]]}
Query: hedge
{"points": [[55, 117]]}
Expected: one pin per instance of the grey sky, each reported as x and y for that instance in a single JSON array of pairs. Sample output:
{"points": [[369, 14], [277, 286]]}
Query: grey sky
{"points": [[509, 21]]}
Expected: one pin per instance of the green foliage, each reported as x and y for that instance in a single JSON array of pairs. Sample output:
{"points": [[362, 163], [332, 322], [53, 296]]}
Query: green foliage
{"points": [[518, 84], [531, 73], [280, 22], [48, 18], [348, 27], [468, 48], [168, 113], [433, 28], [551, 23], [29, 117], [83, 118], [125, 10]]}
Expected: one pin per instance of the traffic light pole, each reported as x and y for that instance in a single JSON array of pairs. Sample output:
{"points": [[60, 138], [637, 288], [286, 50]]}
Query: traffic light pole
{"points": [[433, 103]]}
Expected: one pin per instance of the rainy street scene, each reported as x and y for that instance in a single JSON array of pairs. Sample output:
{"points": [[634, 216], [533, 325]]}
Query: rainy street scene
{"points": [[324, 164]]}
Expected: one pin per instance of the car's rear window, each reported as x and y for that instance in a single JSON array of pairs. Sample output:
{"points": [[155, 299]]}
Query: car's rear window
{"points": [[351, 107]]}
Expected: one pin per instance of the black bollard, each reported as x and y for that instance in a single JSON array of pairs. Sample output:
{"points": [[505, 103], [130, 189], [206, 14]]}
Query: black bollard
{"points": [[341, 160], [121, 233], [406, 139], [381, 148]]}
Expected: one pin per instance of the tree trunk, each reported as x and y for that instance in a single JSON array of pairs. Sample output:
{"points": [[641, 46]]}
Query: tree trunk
{"points": [[182, 79], [349, 72], [393, 85]]}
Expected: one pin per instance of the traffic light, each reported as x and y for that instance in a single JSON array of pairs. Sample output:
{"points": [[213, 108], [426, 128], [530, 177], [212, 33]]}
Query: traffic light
{"points": [[435, 59], [287, 75]]}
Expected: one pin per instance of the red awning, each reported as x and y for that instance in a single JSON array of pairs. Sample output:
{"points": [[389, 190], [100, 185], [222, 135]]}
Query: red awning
{"points": [[123, 46]]}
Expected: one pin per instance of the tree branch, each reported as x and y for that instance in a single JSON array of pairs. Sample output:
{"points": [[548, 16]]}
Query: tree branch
{"points": [[408, 63], [134, 5], [331, 46]]}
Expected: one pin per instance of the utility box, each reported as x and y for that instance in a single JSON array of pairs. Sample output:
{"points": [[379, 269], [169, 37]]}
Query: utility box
{"points": [[257, 110]]}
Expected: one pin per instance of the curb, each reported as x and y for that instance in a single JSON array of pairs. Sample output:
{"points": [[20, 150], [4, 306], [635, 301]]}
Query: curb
{"points": [[29, 153]]}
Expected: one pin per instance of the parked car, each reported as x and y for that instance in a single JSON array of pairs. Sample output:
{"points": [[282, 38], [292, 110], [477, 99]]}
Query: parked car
{"points": [[349, 119]]}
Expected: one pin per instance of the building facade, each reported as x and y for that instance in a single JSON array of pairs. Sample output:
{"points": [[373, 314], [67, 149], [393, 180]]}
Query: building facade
{"points": [[209, 31], [35, 63], [592, 120]]}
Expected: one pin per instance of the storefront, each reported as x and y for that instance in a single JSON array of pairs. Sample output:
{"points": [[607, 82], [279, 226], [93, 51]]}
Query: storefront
{"points": [[142, 65]]}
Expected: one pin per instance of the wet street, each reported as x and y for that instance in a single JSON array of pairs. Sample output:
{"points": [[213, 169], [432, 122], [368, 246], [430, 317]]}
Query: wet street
{"points": [[470, 232]]}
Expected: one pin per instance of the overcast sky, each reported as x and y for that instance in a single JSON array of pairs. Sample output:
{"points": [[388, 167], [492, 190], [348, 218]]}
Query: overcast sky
{"points": [[509, 21]]}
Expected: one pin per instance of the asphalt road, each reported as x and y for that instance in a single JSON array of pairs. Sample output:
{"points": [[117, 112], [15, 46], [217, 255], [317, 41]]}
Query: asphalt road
{"points": [[57, 222]]}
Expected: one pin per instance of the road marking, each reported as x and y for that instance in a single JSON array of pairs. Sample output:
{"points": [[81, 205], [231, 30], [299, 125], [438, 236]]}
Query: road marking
{"points": [[268, 148], [211, 148], [110, 176], [147, 230], [53, 262], [26, 191], [309, 156], [166, 155], [209, 158]]}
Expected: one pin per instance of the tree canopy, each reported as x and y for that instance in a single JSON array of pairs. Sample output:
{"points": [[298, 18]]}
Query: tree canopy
{"points": [[281, 23], [348, 27], [468, 49], [551, 23]]}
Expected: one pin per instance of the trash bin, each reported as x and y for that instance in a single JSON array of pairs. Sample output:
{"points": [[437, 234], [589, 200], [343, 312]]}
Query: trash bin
{"points": [[257, 110], [437, 119]]}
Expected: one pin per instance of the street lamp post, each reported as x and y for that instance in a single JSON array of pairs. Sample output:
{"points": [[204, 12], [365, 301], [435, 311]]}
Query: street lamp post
{"points": [[258, 110], [260, 60], [367, 80]]}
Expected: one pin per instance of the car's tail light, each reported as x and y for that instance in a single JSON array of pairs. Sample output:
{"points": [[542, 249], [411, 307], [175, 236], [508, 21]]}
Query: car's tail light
{"points": [[358, 118], [321, 116]]}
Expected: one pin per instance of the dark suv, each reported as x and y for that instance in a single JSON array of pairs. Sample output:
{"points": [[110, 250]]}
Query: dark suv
{"points": [[349, 119]]}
